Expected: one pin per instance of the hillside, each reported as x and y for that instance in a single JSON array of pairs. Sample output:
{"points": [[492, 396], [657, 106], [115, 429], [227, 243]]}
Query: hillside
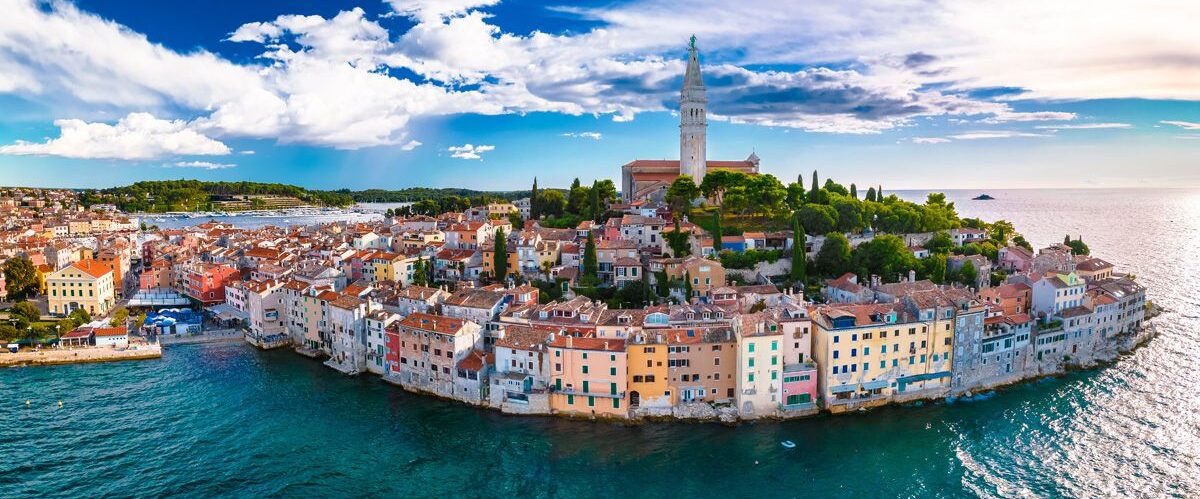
{"points": [[195, 195]]}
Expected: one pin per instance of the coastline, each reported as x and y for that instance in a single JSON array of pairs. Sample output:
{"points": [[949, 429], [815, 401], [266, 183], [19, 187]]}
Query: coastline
{"points": [[702, 413]]}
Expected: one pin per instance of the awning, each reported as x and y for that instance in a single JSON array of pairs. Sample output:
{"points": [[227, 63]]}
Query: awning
{"points": [[924, 377], [875, 385], [225, 312], [842, 388]]}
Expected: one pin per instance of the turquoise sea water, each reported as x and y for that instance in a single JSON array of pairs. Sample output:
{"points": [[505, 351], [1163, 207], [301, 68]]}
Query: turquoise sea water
{"points": [[226, 420]]}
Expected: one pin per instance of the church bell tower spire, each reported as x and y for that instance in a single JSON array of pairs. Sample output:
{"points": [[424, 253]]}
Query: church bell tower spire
{"points": [[693, 123]]}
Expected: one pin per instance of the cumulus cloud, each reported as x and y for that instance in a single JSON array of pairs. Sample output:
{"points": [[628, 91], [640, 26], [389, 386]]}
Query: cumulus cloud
{"points": [[333, 81], [584, 135], [206, 165], [136, 136], [469, 151], [929, 140], [1186, 125]]}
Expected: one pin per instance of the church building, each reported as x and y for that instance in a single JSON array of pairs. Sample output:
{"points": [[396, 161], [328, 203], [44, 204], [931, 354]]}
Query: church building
{"points": [[649, 178]]}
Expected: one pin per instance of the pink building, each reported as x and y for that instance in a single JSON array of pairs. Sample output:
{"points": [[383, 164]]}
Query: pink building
{"points": [[206, 282], [799, 385]]}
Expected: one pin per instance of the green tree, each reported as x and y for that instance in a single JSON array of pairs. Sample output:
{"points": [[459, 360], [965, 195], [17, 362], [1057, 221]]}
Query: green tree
{"points": [[796, 195], [833, 258], [662, 284], [593, 200], [419, 276], [1078, 247], [968, 275], [26, 310], [886, 255], [870, 194], [718, 245], [120, 317], [681, 193], [552, 204], [8, 333], [1067, 239], [818, 218], [935, 268], [799, 272], [853, 191], [717, 182], [816, 186], [500, 255], [590, 267], [1019, 240], [535, 211], [940, 243], [879, 193], [677, 239], [849, 213], [21, 278], [577, 198], [687, 285]]}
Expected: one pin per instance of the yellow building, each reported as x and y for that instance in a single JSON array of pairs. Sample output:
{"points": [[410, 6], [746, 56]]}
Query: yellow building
{"points": [[874, 354], [86, 284], [649, 378]]}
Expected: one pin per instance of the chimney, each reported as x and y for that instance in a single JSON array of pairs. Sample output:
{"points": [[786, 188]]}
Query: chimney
{"points": [[570, 341], [606, 345], [912, 275]]}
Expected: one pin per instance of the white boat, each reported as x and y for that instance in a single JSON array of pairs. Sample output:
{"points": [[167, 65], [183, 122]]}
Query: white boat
{"points": [[788, 444]]}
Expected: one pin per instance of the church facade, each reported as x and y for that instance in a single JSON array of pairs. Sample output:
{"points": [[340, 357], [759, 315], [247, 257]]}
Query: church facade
{"points": [[649, 179]]}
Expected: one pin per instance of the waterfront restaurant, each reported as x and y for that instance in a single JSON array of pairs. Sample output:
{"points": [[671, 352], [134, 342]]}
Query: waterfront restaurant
{"points": [[78, 337]]}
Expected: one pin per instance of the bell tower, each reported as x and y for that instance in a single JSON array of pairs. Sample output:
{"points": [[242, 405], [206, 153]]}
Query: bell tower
{"points": [[693, 123]]}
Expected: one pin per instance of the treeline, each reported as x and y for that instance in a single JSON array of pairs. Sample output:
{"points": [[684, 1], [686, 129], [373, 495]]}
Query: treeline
{"points": [[154, 196], [415, 194]]}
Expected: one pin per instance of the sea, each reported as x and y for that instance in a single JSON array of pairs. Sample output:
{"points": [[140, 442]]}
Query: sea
{"points": [[227, 420]]}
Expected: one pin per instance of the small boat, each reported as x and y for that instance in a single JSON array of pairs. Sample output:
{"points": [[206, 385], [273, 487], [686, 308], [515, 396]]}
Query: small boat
{"points": [[982, 197], [788, 444]]}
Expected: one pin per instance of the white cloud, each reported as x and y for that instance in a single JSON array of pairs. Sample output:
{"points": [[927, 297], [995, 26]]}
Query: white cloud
{"points": [[246, 152], [1186, 125], [136, 136], [329, 81], [410, 145], [929, 140], [995, 134], [1084, 126], [469, 151], [584, 135], [206, 165]]}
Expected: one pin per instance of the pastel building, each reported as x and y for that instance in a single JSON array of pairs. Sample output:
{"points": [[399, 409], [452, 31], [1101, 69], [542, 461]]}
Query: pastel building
{"points": [[588, 376], [86, 284]]}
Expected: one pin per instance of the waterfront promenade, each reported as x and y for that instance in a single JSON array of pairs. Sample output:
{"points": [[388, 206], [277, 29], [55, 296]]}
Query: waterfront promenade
{"points": [[51, 357]]}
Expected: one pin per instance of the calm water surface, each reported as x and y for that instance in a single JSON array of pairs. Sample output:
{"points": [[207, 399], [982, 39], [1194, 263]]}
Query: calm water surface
{"points": [[227, 420]]}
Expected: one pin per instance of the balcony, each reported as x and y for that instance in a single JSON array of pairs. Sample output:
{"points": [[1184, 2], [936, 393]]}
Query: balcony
{"points": [[581, 393]]}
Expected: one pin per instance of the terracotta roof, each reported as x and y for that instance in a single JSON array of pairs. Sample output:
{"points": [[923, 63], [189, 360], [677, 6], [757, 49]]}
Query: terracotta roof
{"points": [[92, 267], [110, 331], [475, 361], [435, 323], [601, 344]]}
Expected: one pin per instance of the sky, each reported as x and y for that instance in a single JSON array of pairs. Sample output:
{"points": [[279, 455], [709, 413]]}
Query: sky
{"points": [[487, 94]]}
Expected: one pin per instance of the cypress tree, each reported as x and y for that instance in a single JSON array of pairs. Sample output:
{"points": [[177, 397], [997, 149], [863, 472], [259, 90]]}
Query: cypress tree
{"points": [[870, 194], [815, 185], [1067, 239], [853, 191], [590, 268], [594, 200], [799, 256], [879, 193], [800, 180], [687, 284], [500, 256], [534, 211], [419, 272], [717, 246]]}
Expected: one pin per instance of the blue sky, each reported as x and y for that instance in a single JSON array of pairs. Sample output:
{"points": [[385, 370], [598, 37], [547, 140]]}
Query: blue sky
{"points": [[486, 94]]}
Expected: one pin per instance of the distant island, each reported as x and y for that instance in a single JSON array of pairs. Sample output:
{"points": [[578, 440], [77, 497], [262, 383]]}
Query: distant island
{"points": [[983, 197]]}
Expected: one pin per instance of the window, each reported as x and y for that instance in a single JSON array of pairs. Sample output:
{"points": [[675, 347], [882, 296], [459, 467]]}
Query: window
{"points": [[750, 377], [751, 362], [751, 347], [854, 352], [612, 371], [774, 346], [585, 369], [835, 354]]}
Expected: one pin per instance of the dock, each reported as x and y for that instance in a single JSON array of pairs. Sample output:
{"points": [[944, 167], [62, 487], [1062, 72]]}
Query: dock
{"points": [[54, 357]]}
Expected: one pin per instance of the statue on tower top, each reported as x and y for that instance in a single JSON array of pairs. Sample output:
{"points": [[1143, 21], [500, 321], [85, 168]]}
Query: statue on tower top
{"points": [[693, 41]]}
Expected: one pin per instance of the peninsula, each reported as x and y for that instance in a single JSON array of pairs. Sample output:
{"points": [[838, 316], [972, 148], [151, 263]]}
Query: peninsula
{"points": [[704, 289]]}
